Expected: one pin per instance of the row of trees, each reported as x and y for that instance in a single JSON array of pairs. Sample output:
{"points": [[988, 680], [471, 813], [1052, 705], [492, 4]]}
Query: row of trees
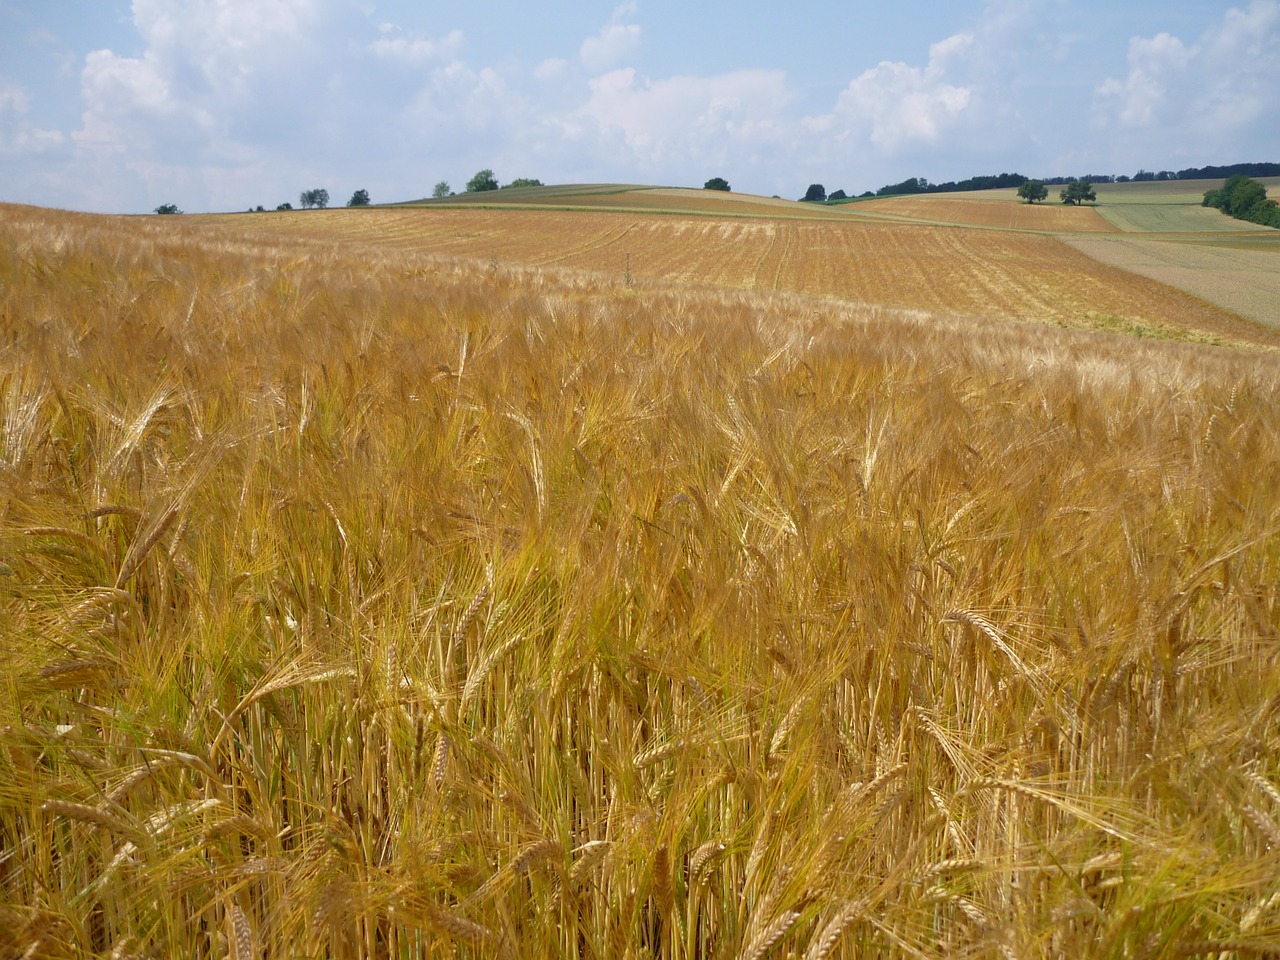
{"points": [[314, 199], [483, 181], [995, 181], [1075, 192], [1075, 189], [1245, 199], [318, 199]]}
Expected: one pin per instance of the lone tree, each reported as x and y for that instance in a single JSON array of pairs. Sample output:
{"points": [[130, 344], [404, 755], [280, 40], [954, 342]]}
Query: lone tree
{"points": [[441, 190], [1078, 191], [167, 208], [484, 180], [815, 194], [318, 197], [285, 206], [1033, 190], [359, 199], [717, 183]]}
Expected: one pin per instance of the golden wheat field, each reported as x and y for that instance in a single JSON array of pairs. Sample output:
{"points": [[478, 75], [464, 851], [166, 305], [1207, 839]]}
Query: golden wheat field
{"points": [[373, 599]]}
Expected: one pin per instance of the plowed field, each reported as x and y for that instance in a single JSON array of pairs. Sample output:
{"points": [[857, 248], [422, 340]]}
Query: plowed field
{"points": [[952, 270]]}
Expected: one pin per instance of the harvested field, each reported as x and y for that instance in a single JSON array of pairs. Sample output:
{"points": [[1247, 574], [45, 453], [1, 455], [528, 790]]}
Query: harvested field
{"points": [[1245, 281], [1021, 276], [985, 211]]}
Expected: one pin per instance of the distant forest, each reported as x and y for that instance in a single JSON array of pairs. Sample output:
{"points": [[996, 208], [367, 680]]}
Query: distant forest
{"points": [[995, 181]]}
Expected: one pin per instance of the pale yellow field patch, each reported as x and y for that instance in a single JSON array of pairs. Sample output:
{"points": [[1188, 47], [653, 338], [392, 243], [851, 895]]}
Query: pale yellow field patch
{"points": [[1244, 281]]}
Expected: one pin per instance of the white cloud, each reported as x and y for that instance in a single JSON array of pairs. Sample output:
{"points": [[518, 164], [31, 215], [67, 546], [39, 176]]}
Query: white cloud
{"points": [[1154, 66], [394, 46], [685, 118], [17, 134], [1185, 98], [228, 103], [613, 44], [551, 69], [206, 64], [895, 104], [229, 43], [13, 99]]}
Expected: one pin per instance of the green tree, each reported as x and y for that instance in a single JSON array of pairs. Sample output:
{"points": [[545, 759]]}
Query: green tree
{"points": [[815, 194], [717, 183], [285, 206], [524, 182], [359, 199], [1033, 190], [167, 209], [1077, 192], [484, 180], [1242, 195], [1245, 199], [318, 197], [441, 190]]}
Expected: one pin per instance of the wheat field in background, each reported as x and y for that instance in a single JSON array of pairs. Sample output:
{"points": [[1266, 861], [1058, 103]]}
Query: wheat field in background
{"points": [[359, 602]]}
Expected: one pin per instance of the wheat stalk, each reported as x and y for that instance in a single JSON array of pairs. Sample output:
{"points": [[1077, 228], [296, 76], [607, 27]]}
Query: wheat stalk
{"points": [[240, 934], [769, 937]]}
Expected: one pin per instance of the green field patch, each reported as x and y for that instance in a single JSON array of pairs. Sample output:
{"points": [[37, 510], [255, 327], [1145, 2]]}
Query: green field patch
{"points": [[1168, 206]]}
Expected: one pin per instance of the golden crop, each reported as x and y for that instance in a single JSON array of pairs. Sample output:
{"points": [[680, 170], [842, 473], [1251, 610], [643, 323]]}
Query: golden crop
{"points": [[360, 601]]}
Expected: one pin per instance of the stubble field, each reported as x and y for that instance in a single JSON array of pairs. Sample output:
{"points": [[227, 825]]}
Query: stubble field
{"points": [[1014, 275], [991, 208], [377, 598]]}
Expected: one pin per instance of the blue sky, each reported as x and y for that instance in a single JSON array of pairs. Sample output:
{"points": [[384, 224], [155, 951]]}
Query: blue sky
{"points": [[112, 106]]}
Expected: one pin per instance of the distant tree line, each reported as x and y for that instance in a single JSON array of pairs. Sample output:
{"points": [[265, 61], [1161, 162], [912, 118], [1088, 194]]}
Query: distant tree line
{"points": [[911, 185], [1190, 173], [916, 185], [1247, 169], [1245, 199], [483, 181]]}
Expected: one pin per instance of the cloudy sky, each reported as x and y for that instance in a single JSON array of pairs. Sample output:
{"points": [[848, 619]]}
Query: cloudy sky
{"points": [[107, 105]]}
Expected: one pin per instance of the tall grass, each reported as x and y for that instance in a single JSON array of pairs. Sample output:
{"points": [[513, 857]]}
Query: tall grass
{"points": [[360, 603]]}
